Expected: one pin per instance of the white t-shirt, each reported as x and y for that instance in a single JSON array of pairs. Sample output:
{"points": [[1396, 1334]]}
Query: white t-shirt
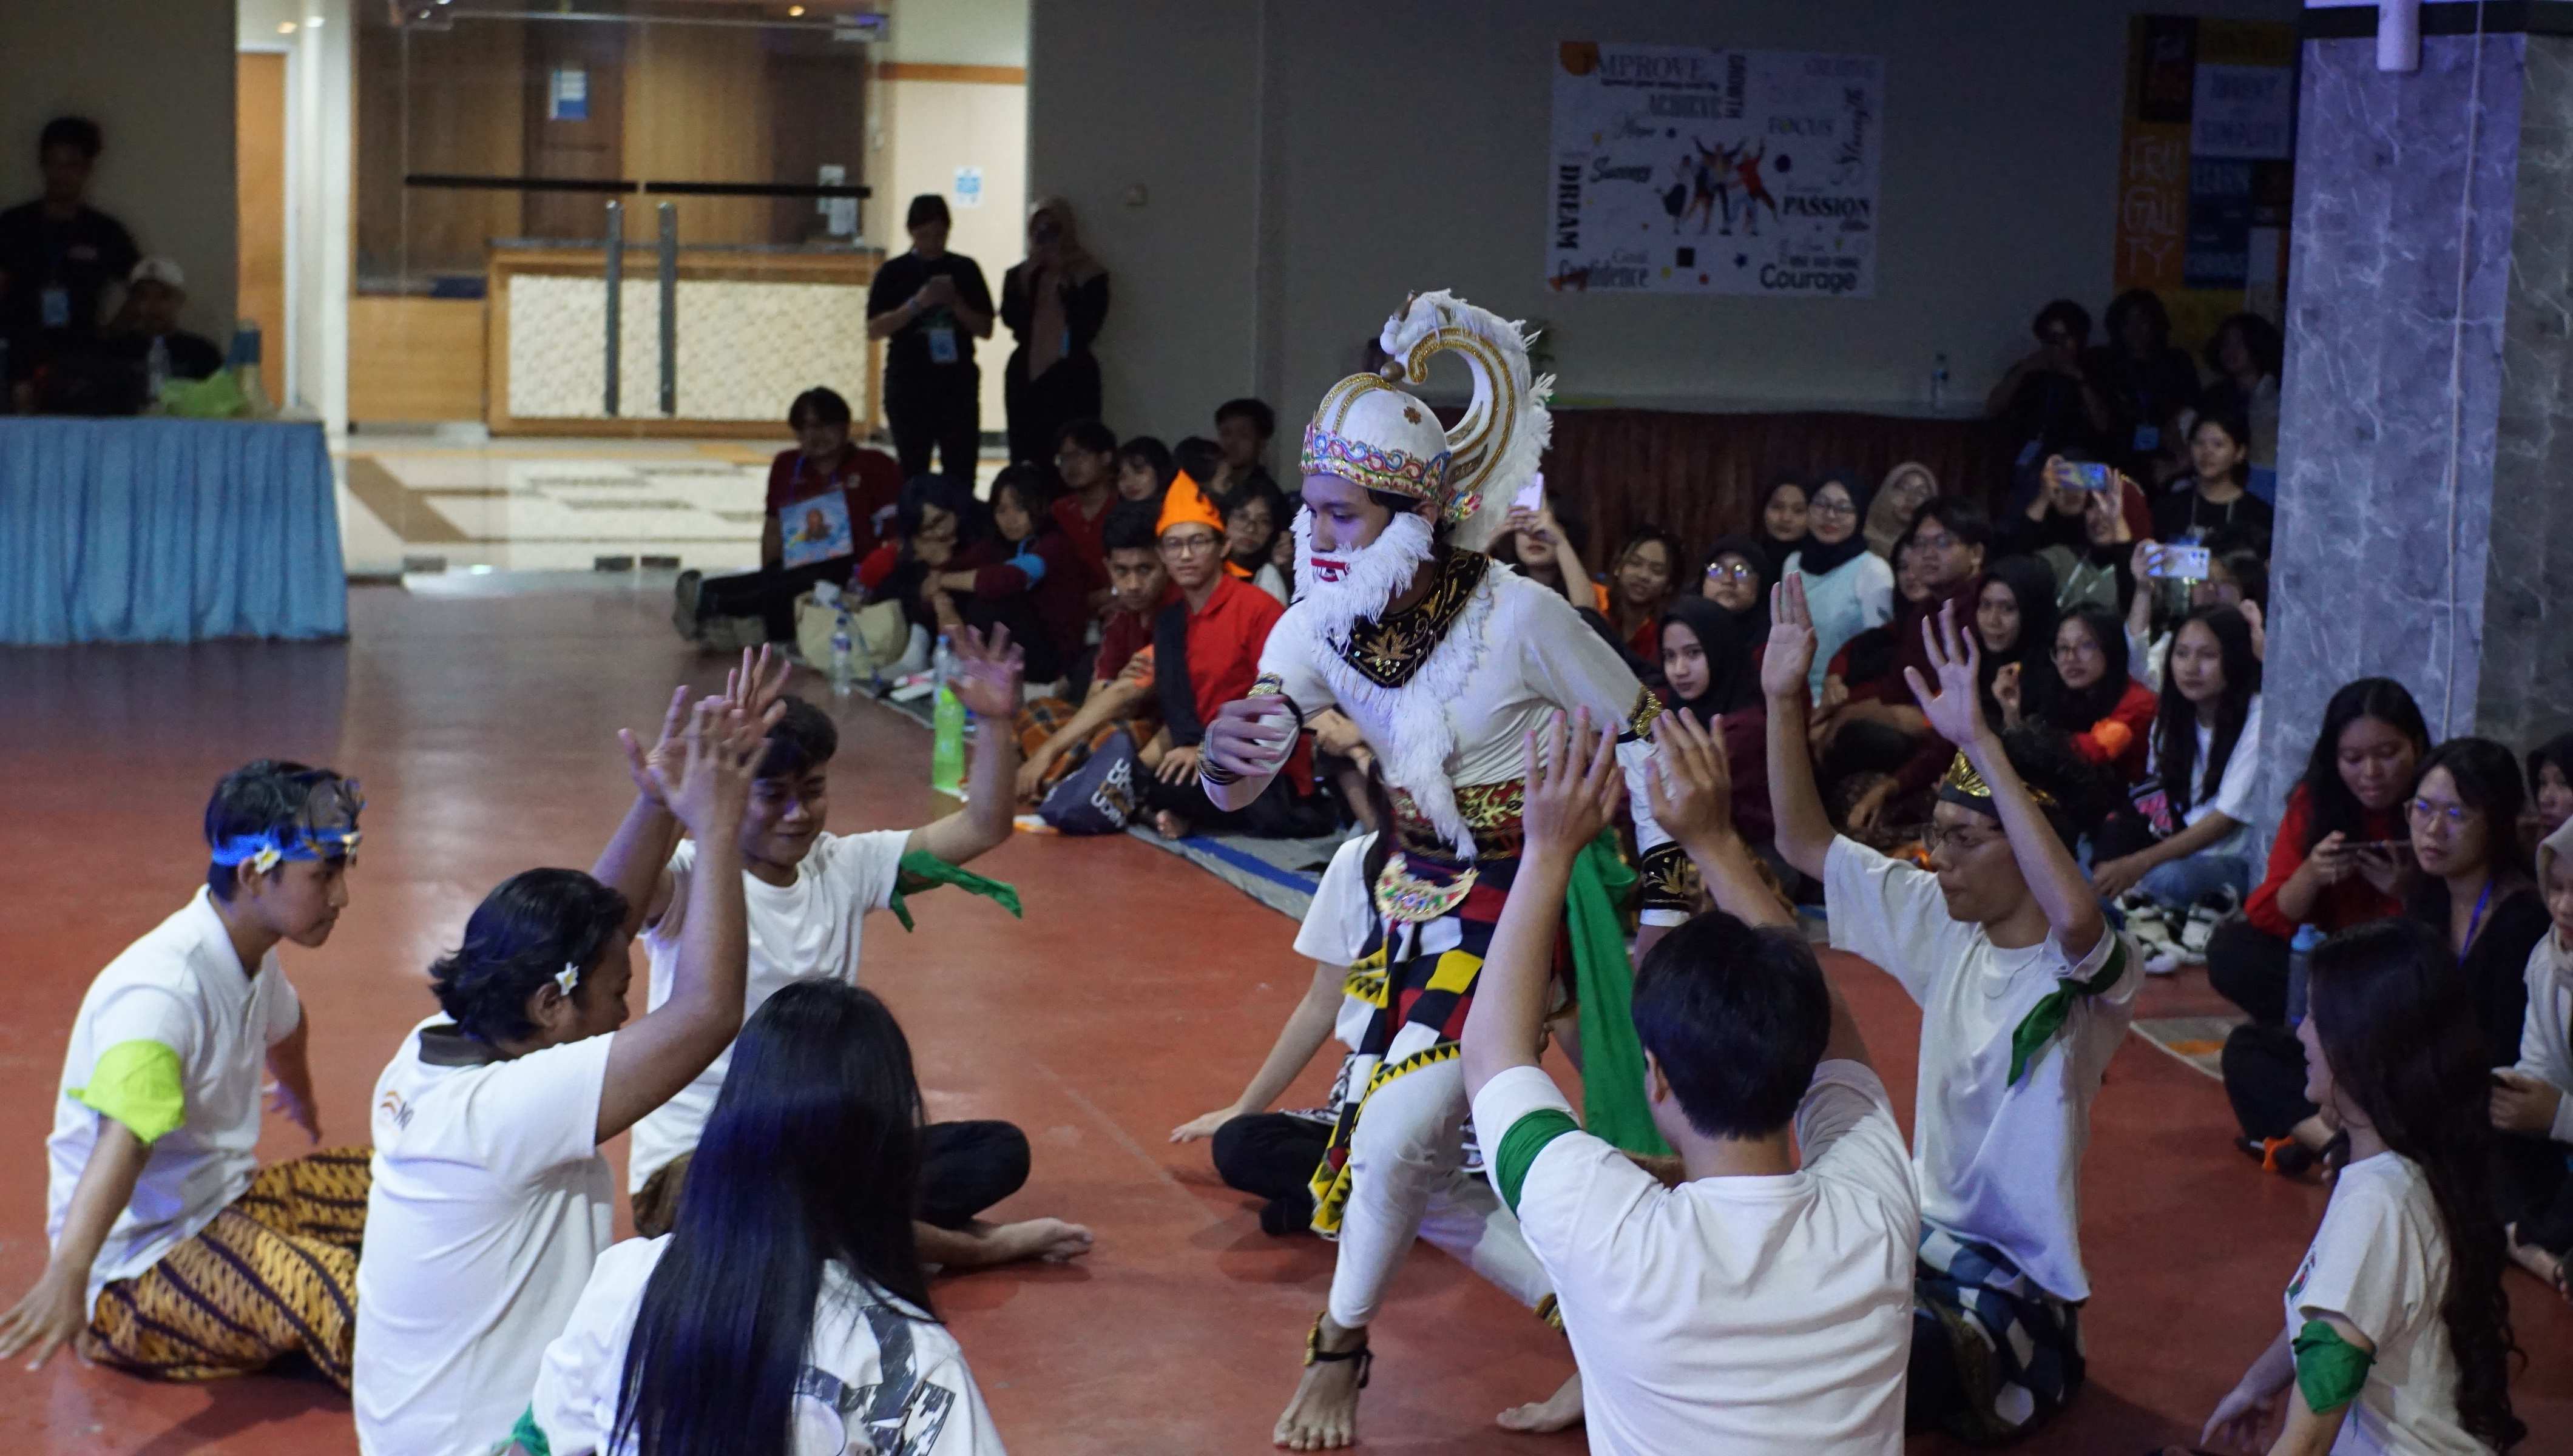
{"points": [[1995, 1162], [1337, 928], [882, 1376], [2236, 794], [1734, 1314], [490, 1201], [808, 928], [180, 986], [1845, 601], [2380, 1261]]}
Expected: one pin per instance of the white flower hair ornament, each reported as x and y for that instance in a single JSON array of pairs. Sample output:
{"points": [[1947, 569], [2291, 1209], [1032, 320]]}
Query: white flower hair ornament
{"points": [[567, 977]]}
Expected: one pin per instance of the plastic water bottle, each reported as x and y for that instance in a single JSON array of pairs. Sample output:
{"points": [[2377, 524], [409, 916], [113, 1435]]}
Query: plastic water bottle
{"points": [[2300, 952], [844, 657], [1939, 381], [947, 725], [156, 372]]}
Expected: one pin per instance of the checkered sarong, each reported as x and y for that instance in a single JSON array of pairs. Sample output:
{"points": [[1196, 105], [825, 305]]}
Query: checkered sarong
{"points": [[2017, 1350]]}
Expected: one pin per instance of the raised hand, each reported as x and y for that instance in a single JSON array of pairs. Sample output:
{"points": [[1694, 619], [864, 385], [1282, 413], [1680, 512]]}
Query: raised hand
{"points": [[1251, 737], [1572, 785], [1690, 783], [713, 783], [1790, 659], [754, 687], [669, 752], [2006, 691], [987, 676], [2258, 622], [1954, 706]]}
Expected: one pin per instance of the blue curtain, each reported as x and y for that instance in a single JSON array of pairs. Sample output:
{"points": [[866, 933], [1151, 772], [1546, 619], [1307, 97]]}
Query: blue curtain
{"points": [[167, 530]]}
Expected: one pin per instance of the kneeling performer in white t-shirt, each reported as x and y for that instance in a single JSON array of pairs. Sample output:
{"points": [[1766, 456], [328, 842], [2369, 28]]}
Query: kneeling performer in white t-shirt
{"points": [[1764, 1304]]}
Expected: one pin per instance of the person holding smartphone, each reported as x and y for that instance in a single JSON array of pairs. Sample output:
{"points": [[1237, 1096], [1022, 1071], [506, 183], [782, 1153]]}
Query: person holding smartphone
{"points": [[1054, 302]]}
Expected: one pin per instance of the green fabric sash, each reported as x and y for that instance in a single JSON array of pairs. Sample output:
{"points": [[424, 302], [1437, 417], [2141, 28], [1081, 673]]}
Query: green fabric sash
{"points": [[1612, 1055], [2047, 1017], [2329, 1370], [922, 869]]}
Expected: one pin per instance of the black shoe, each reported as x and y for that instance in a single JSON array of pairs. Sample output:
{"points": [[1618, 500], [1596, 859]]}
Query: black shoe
{"points": [[1287, 1216]]}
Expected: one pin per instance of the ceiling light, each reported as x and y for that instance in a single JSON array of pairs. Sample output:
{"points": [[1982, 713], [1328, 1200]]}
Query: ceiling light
{"points": [[286, 27], [313, 21], [794, 9]]}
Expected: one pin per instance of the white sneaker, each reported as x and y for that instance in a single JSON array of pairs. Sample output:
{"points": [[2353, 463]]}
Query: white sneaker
{"points": [[2166, 963]]}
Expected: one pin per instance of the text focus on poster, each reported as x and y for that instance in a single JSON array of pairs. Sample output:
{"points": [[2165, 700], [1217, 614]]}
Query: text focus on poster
{"points": [[1685, 170]]}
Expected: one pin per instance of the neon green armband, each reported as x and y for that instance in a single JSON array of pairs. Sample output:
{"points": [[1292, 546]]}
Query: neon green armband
{"points": [[137, 1084], [2329, 1370]]}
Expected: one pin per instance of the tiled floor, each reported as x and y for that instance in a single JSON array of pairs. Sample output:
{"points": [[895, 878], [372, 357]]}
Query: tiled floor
{"points": [[550, 505]]}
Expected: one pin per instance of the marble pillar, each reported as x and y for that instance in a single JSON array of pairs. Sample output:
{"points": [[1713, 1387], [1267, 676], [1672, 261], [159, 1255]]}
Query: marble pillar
{"points": [[2425, 437]]}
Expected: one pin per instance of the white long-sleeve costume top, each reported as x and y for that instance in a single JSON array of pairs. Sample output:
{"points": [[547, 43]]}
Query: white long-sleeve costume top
{"points": [[1446, 693]]}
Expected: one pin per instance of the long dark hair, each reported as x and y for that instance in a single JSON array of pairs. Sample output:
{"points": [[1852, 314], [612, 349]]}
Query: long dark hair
{"points": [[2077, 710], [2330, 808], [520, 937], [2176, 723], [2398, 1031], [811, 1157], [2487, 780]]}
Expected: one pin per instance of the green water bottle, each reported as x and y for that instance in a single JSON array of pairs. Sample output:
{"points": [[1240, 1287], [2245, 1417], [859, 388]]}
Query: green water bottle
{"points": [[947, 723]]}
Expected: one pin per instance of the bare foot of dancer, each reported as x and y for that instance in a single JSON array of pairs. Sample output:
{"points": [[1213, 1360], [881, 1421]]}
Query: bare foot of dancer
{"points": [[1323, 1416], [1560, 1411], [1170, 826]]}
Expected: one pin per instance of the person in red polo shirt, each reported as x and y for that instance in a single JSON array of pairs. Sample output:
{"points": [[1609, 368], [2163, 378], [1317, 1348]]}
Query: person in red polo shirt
{"points": [[829, 504], [1206, 650], [1085, 456]]}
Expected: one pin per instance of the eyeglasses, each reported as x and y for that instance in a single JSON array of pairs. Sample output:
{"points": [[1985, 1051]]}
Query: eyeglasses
{"points": [[1830, 507], [1922, 541], [1738, 571], [2086, 648], [1197, 545], [2430, 812], [1935, 835]]}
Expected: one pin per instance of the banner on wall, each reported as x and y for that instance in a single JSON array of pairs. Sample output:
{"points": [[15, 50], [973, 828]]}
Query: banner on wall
{"points": [[1686, 170], [2205, 169]]}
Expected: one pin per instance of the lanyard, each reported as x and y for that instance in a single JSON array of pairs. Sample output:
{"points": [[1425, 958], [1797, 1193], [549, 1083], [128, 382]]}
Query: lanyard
{"points": [[2476, 922]]}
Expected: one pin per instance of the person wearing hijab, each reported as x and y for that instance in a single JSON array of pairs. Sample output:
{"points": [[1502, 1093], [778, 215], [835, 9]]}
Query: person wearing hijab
{"points": [[1054, 302], [2015, 622], [1711, 665], [1737, 578], [1849, 587], [1783, 519], [2094, 698], [1907, 488]]}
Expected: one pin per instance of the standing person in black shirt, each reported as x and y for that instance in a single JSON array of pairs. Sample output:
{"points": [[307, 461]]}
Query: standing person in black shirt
{"points": [[932, 304], [58, 254]]}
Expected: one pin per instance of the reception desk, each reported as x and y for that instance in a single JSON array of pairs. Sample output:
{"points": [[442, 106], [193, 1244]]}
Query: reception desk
{"points": [[757, 328]]}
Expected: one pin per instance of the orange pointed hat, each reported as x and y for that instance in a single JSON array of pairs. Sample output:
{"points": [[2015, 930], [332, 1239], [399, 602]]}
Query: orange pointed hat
{"points": [[1185, 504]]}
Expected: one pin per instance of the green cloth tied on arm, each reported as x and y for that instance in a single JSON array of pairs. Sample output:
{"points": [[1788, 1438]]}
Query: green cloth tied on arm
{"points": [[2329, 1370], [527, 1438], [1612, 1055], [922, 869], [138, 1083], [2047, 1016]]}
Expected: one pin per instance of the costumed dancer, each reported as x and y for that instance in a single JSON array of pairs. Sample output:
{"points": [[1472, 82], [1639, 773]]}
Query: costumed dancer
{"points": [[1444, 660]]}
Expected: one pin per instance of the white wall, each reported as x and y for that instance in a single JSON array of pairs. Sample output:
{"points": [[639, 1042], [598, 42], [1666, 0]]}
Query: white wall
{"points": [[157, 76], [1308, 165]]}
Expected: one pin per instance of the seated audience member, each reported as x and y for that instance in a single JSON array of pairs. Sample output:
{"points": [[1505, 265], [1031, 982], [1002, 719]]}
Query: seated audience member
{"points": [[1785, 521], [2397, 1333], [2015, 623], [1206, 653], [2047, 402], [2108, 714], [2216, 498], [2466, 882], [2334, 861], [2183, 850], [808, 893], [2145, 378], [2237, 576], [2532, 1101], [1085, 460], [2057, 519], [2550, 785], [1906, 489], [174, 1255], [1118, 692], [1737, 578], [492, 1199], [58, 257], [1711, 667], [842, 1349], [2025, 993], [2246, 353], [1242, 428], [1547, 549], [2099, 570], [1033, 584], [942, 536], [829, 505], [1253, 516], [1766, 1302], [1143, 470], [1199, 459], [153, 294], [1880, 758], [1850, 586], [1642, 582]]}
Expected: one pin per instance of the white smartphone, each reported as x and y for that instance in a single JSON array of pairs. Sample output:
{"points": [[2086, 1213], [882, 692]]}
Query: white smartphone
{"points": [[1532, 496], [2179, 563]]}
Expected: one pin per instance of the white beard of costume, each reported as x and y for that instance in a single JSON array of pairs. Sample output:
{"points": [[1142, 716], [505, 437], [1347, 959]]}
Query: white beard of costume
{"points": [[1408, 724], [1350, 586]]}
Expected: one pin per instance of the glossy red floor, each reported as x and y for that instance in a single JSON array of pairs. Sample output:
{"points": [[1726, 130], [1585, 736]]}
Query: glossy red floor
{"points": [[1138, 993]]}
